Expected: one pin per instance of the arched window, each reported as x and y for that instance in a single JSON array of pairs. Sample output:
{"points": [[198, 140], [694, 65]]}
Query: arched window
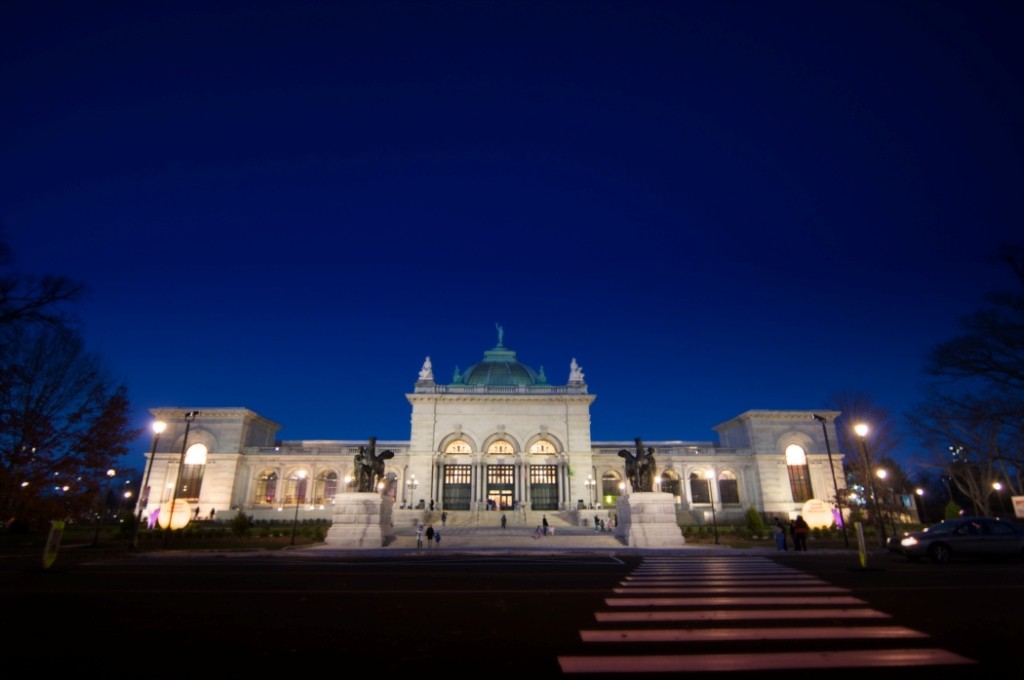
{"points": [[500, 446], [611, 488], [192, 472], [799, 475], [728, 488], [326, 488], [458, 446], [670, 484], [266, 488], [542, 447], [700, 487], [295, 489]]}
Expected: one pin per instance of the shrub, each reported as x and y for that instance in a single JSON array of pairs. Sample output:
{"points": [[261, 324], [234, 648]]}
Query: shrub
{"points": [[755, 523], [241, 525]]}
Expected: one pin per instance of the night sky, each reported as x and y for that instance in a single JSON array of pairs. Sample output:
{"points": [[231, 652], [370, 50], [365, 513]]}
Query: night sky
{"points": [[713, 206]]}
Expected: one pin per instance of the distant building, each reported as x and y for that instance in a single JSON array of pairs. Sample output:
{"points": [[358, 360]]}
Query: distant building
{"points": [[498, 436]]}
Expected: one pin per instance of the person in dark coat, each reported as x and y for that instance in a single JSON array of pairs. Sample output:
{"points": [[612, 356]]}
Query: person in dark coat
{"points": [[800, 531], [430, 535]]}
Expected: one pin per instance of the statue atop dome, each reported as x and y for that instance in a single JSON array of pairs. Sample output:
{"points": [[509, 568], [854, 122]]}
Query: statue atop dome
{"points": [[501, 333], [427, 372], [575, 372]]}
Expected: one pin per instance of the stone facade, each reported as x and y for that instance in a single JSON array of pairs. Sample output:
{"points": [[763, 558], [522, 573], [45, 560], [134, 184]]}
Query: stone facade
{"points": [[521, 445]]}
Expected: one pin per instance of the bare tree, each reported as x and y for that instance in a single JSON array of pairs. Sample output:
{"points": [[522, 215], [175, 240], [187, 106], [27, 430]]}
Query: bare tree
{"points": [[973, 410], [28, 299], [63, 421]]}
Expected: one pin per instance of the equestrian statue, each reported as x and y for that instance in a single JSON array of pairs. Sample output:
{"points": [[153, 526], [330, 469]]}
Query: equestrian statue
{"points": [[639, 466], [370, 466]]}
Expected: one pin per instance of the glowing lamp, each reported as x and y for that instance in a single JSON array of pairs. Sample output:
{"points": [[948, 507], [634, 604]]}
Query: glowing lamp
{"points": [[182, 515]]}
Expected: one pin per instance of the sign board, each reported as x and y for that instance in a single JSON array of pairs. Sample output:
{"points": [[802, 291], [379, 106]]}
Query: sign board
{"points": [[52, 543], [1018, 506], [817, 513]]}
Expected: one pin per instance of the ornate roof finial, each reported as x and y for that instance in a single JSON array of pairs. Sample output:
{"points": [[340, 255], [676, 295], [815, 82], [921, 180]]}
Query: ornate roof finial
{"points": [[575, 372], [501, 332], [427, 372]]}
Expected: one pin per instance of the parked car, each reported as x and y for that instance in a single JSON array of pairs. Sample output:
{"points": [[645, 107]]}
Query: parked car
{"points": [[962, 537]]}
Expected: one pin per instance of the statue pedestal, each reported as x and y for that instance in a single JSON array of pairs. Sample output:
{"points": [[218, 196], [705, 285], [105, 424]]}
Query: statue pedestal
{"points": [[648, 520], [361, 520]]}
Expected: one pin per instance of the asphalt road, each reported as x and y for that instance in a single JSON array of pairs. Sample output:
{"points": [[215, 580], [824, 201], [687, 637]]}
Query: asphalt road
{"points": [[545, 614]]}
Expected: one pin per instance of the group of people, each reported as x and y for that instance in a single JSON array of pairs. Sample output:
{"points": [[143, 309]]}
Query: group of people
{"points": [[431, 535], [798, 530]]}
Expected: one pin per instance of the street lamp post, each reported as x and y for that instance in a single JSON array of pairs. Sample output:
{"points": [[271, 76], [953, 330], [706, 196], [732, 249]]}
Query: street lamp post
{"points": [[158, 427], [300, 476], [714, 521], [998, 487], [99, 511], [591, 486], [189, 417], [835, 484], [920, 505], [412, 484], [862, 430], [882, 474]]}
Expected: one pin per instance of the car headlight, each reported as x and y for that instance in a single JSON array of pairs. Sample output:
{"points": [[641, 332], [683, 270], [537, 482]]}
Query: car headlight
{"points": [[908, 542]]}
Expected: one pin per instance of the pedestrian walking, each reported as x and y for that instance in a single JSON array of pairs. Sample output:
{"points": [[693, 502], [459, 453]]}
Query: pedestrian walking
{"points": [[536, 533], [544, 523], [419, 536], [444, 518], [503, 521], [437, 538], [430, 534], [779, 532]]}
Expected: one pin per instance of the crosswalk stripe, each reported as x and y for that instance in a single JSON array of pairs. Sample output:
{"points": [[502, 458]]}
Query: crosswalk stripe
{"points": [[741, 615], [666, 590], [732, 634], [724, 589], [759, 662], [727, 601]]}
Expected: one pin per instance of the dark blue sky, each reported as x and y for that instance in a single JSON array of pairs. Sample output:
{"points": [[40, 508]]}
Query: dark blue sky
{"points": [[712, 206]]}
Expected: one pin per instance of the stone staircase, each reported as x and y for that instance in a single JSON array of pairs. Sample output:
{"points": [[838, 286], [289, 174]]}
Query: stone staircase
{"points": [[482, 530], [492, 518]]}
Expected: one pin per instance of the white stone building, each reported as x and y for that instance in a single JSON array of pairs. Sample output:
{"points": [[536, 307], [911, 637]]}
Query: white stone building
{"points": [[499, 436]]}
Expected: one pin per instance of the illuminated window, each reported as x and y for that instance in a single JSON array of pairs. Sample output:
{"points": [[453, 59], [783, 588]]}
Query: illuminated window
{"points": [[799, 475], [458, 446], [728, 488], [700, 488], [192, 473], [542, 446], [326, 487], [500, 446], [266, 488]]}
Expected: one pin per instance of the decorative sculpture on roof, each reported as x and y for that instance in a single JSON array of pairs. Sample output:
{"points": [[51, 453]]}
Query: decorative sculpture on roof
{"points": [[639, 466], [575, 372], [427, 372], [370, 466], [501, 333]]}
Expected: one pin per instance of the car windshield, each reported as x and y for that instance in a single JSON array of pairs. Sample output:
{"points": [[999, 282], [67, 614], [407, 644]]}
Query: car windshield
{"points": [[945, 527]]}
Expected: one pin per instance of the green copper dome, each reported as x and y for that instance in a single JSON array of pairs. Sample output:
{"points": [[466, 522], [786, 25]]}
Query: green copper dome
{"points": [[500, 369]]}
